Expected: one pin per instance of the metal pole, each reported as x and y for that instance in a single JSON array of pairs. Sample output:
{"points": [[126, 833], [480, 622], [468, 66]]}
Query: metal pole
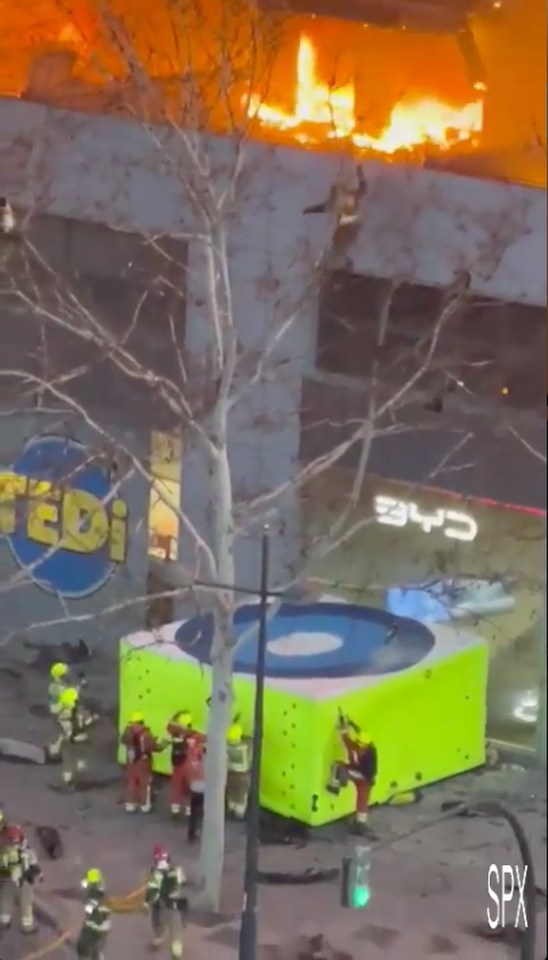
{"points": [[248, 926]]}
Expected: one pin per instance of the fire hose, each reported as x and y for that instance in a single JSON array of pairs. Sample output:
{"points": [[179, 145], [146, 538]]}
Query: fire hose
{"points": [[131, 902]]}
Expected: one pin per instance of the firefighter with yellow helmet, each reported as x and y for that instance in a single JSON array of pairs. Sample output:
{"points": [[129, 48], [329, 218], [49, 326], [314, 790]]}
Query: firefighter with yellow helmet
{"points": [[359, 768], [97, 918], [238, 771], [71, 735], [185, 742], [61, 679], [59, 682]]}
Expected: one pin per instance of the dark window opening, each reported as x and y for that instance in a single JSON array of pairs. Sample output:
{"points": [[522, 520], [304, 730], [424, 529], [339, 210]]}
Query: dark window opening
{"points": [[491, 349], [89, 296]]}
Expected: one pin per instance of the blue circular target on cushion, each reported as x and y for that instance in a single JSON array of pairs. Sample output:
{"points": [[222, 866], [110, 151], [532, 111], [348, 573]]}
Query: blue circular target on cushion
{"points": [[318, 640]]}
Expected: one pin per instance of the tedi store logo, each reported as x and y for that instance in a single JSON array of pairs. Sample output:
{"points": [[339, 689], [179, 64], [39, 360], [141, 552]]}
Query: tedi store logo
{"points": [[506, 887], [62, 518]]}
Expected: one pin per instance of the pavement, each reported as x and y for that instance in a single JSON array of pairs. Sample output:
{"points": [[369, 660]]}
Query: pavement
{"points": [[429, 888]]}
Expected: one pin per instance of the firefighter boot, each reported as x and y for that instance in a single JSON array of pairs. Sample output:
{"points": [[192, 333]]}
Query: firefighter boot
{"points": [[338, 779], [176, 947], [26, 903]]}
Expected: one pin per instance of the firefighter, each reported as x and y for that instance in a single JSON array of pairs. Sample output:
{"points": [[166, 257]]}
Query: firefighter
{"points": [[4, 875], [196, 784], [140, 746], [59, 676], [238, 771], [360, 768], [97, 920], [61, 679], [72, 734], [20, 871], [184, 741], [166, 902]]}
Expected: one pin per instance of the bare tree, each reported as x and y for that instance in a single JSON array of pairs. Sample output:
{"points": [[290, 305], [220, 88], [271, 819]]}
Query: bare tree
{"points": [[205, 396]]}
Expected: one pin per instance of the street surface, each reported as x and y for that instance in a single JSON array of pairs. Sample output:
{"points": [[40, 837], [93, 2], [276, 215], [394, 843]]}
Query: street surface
{"points": [[428, 890]]}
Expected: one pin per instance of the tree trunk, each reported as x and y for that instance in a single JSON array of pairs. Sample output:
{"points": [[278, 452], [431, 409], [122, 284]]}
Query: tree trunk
{"points": [[213, 835]]}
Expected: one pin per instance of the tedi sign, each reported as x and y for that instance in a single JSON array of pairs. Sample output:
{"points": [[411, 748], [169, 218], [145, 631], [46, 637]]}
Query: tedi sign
{"points": [[64, 522]]}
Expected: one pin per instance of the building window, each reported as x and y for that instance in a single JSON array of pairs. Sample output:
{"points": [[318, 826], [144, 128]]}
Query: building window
{"points": [[117, 311], [351, 310], [165, 493], [496, 350]]}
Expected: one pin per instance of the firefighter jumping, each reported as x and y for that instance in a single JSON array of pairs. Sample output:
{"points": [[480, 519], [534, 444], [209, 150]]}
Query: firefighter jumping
{"points": [[166, 901], [97, 919], [72, 735], [238, 771], [19, 872], [360, 768], [141, 745], [185, 742]]}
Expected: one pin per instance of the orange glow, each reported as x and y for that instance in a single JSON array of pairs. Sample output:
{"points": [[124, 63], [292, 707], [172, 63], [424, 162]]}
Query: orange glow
{"points": [[412, 123]]}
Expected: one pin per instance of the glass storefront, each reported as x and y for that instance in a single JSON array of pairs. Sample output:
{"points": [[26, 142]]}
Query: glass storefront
{"points": [[431, 556]]}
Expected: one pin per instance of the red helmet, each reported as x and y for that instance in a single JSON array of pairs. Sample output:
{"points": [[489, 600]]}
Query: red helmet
{"points": [[160, 852], [14, 833]]}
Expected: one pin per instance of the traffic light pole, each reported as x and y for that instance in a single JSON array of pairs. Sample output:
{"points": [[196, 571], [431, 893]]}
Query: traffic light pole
{"points": [[248, 926]]}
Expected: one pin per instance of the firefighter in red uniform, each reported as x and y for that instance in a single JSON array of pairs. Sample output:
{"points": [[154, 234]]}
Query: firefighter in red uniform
{"points": [[140, 745], [360, 768], [185, 743]]}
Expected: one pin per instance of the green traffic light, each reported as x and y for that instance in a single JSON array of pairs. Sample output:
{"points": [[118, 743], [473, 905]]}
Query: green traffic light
{"points": [[361, 896]]}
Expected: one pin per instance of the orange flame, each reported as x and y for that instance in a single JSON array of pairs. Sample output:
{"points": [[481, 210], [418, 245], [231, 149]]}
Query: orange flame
{"points": [[412, 123]]}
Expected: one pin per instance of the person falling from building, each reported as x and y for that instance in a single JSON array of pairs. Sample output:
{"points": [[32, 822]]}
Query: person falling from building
{"points": [[196, 784], [20, 870], [184, 742], [141, 745], [343, 204], [359, 768], [70, 744], [166, 902], [97, 918], [238, 771]]}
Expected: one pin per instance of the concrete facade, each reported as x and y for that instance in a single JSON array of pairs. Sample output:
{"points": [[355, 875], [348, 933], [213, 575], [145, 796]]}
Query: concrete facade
{"points": [[420, 224], [36, 614]]}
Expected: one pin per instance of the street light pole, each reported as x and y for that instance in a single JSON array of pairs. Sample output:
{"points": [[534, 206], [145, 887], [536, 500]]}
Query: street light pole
{"points": [[248, 926]]}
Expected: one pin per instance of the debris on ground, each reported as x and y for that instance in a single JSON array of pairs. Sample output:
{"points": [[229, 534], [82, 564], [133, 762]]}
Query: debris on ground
{"points": [[20, 751]]}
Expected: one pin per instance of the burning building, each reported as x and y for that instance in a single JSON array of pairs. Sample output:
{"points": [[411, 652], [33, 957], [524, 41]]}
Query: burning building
{"points": [[413, 109], [457, 83]]}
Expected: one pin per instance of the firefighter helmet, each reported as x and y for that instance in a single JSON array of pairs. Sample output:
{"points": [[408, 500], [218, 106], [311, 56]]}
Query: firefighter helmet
{"points": [[137, 717], [14, 833], [69, 697], [58, 671], [234, 734], [93, 878], [159, 853]]}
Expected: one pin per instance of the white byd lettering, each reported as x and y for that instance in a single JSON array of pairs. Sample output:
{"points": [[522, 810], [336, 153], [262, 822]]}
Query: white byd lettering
{"points": [[503, 885], [398, 513]]}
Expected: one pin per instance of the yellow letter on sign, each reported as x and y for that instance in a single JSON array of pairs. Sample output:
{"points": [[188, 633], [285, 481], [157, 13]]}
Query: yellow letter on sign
{"points": [[43, 515], [85, 522], [11, 487]]}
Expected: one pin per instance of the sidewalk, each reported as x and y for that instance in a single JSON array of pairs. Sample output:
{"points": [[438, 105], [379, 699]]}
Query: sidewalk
{"points": [[427, 889]]}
